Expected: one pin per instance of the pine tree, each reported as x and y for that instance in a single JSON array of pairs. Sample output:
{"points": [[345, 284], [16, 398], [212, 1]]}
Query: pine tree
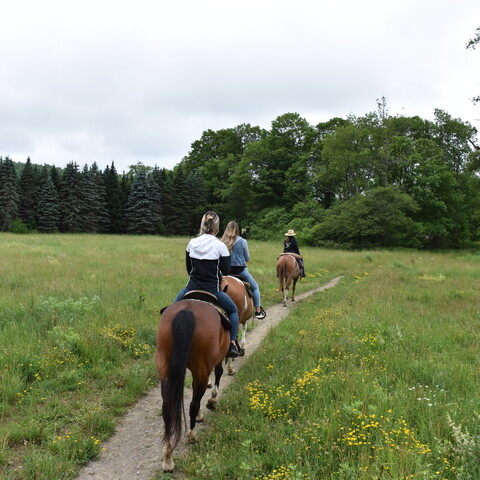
{"points": [[48, 206], [71, 200], [115, 200], [142, 210], [125, 188], [27, 190], [93, 212], [9, 199], [180, 207], [55, 176], [197, 203]]}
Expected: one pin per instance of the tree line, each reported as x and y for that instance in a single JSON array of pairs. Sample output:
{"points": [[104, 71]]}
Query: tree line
{"points": [[355, 182], [146, 200], [374, 180]]}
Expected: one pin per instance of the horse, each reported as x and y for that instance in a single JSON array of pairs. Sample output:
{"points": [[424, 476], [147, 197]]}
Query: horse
{"points": [[236, 289], [288, 273], [190, 335]]}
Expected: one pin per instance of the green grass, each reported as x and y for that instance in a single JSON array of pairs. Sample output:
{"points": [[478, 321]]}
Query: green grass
{"points": [[395, 345], [377, 378], [78, 320]]}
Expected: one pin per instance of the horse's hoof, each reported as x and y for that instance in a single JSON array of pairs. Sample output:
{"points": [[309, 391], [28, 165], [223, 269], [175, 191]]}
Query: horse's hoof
{"points": [[191, 437], [168, 467], [231, 372], [212, 405], [242, 352], [199, 418]]}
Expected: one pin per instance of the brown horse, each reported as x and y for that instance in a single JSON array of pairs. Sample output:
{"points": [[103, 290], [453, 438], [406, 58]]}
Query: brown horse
{"points": [[237, 291], [190, 335], [288, 273]]}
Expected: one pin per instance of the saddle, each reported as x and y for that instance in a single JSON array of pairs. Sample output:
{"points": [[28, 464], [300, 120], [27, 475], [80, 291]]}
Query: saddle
{"points": [[210, 298], [296, 255]]}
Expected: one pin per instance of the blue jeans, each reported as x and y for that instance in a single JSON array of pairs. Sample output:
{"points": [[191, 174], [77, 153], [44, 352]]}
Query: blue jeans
{"points": [[255, 290], [226, 303]]}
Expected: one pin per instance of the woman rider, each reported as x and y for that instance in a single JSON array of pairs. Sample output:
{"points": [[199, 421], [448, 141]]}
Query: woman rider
{"points": [[207, 258]]}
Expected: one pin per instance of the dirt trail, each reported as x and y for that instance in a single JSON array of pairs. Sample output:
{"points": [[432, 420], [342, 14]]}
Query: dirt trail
{"points": [[134, 452]]}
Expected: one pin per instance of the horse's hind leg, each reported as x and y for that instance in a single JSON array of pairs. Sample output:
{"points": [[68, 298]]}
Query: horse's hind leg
{"points": [[293, 289], [167, 464], [230, 369], [212, 401], [285, 295], [243, 340], [199, 389]]}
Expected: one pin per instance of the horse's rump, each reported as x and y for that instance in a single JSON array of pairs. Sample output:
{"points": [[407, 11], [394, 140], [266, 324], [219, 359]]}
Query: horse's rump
{"points": [[238, 291], [190, 335]]}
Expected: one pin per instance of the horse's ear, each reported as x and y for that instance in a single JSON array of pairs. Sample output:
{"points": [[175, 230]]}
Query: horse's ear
{"points": [[225, 289]]}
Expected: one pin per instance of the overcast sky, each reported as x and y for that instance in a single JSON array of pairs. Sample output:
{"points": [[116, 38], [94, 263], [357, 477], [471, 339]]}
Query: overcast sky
{"points": [[140, 80]]}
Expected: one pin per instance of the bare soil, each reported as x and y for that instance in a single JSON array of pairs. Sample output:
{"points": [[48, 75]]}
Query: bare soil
{"points": [[134, 452]]}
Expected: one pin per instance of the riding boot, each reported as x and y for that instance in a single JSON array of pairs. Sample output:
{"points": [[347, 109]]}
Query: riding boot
{"points": [[233, 351], [302, 267]]}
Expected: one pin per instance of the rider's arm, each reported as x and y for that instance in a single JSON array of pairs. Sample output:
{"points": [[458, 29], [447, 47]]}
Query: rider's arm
{"points": [[246, 253], [225, 265], [188, 262]]}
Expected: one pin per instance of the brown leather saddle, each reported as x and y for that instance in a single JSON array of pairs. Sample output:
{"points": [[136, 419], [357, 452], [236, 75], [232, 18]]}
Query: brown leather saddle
{"points": [[210, 298]]}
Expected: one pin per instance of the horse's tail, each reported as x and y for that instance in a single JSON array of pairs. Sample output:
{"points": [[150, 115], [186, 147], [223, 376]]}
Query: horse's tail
{"points": [[281, 273], [183, 326]]}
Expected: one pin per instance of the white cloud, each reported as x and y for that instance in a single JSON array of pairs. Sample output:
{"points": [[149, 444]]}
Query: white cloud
{"points": [[136, 81]]}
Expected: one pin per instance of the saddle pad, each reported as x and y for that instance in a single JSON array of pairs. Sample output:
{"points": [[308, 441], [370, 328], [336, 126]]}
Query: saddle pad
{"points": [[227, 325]]}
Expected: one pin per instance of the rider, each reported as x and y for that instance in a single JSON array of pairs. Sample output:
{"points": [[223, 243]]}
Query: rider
{"points": [[290, 245], [238, 248], [207, 258]]}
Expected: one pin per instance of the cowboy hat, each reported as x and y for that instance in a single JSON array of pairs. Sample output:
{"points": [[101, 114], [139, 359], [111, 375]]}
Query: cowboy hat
{"points": [[290, 233]]}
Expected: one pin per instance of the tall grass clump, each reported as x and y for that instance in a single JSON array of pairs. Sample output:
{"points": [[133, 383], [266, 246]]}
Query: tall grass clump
{"points": [[376, 378]]}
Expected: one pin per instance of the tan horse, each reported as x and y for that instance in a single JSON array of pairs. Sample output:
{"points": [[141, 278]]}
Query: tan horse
{"points": [[190, 335], [288, 273], [237, 291]]}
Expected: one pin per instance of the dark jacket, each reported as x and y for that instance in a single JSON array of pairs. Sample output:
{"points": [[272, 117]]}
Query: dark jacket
{"points": [[290, 245]]}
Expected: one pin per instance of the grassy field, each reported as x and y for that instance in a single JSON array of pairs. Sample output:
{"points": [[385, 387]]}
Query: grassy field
{"points": [[377, 378], [381, 381]]}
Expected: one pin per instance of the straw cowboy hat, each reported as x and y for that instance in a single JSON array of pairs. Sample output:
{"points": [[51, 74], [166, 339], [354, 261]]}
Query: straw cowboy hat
{"points": [[290, 233]]}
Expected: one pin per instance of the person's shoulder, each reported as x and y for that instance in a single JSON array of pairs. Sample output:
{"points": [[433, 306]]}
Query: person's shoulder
{"points": [[222, 248]]}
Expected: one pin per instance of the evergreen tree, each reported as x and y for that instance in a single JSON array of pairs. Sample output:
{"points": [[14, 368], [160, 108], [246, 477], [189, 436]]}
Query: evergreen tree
{"points": [[71, 200], [176, 204], [142, 210], [48, 206], [115, 200], [9, 200], [93, 211], [196, 200], [56, 177], [125, 189], [27, 189]]}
